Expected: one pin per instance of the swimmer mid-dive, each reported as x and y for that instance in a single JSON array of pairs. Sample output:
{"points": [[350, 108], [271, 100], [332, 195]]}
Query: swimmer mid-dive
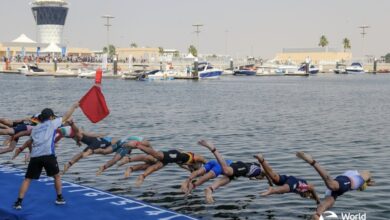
{"points": [[186, 160], [349, 180], [93, 142], [16, 129], [121, 148], [209, 170], [230, 172], [285, 183]]}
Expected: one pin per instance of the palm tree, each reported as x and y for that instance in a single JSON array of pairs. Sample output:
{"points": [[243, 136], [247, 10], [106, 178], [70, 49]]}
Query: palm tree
{"points": [[161, 50], [111, 50], [193, 50], [133, 45], [347, 44], [323, 41]]}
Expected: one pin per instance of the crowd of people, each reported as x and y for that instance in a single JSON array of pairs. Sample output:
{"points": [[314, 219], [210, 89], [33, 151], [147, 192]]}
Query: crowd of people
{"points": [[45, 130]]}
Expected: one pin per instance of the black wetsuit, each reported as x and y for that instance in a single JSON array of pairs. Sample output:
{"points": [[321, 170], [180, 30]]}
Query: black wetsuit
{"points": [[94, 142], [242, 169], [175, 156]]}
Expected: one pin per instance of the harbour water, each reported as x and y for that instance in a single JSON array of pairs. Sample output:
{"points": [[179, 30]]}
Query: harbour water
{"points": [[342, 120]]}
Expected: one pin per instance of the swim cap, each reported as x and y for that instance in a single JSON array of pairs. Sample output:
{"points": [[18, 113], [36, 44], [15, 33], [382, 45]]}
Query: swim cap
{"points": [[254, 170]]}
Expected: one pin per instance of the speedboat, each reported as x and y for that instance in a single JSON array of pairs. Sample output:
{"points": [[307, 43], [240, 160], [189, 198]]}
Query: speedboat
{"points": [[340, 69], [70, 72], [33, 70], [159, 75], [107, 74], [355, 68], [248, 70], [206, 71], [312, 68], [286, 69]]}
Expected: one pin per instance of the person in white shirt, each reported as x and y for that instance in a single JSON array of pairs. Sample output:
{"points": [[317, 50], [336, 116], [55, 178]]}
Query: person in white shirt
{"points": [[43, 154]]}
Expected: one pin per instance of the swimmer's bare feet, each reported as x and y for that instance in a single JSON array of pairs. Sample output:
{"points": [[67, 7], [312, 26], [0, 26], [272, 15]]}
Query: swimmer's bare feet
{"points": [[191, 186], [140, 180], [306, 157], [259, 157], [207, 144], [128, 172], [209, 195]]}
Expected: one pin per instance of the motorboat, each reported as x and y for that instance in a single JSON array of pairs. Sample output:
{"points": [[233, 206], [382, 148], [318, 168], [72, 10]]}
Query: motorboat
{"points": [[160, 75], [340, 69], [312, 69], [207, 71], [286, 69], [68, 72], [33, 70], [355, 68], [268, 69], [248, 70], [107, 74]]}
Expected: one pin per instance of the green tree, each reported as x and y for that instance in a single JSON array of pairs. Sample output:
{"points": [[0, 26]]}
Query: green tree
{"points": [[161, 50], [176, 54], [323, 41], [111, 51], [192, 49], [133, 45], [346, 44], [387, 58]]}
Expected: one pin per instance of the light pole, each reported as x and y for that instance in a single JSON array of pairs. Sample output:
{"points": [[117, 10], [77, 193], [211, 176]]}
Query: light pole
{"points": [[108, 25], [197, 26], [363, 33], [226, 41]]}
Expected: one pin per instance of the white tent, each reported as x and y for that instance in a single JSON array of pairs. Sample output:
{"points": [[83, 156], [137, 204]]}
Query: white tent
{"points": [[23, 39], [52, 48], [190, 56]]}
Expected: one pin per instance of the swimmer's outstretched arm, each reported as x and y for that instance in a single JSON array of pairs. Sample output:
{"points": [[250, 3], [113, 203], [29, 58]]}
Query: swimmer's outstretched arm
{"points": [[108, 164], [314, 193], [69, 113], [196, 173], [26, 144], [227, 170], [326, 204], [276, 190]]}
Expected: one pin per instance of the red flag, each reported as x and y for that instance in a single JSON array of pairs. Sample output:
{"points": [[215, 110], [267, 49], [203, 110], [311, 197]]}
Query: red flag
{"points": [[94, 105]]}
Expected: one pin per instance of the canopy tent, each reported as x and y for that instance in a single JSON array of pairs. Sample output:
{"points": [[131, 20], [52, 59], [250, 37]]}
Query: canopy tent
{"points": [[23, 39], [190, 56], [52, 48]]}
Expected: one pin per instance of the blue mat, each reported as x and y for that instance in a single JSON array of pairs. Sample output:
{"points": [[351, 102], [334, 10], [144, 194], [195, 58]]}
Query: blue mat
{"points": [[81, 202]]}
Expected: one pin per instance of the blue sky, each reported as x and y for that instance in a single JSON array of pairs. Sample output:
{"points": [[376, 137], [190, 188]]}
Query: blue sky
{"points": [[245, 27]]}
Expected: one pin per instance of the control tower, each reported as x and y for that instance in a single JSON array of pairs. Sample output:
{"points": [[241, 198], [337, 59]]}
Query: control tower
{"points": [[50, 16]]}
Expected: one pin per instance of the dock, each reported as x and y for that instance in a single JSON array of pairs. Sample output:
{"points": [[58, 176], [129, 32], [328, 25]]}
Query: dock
{"points": [[187, 77], [82, 202]]}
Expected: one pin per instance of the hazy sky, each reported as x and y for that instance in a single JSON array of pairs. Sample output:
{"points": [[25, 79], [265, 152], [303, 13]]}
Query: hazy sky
{"points": [[240, 27]]}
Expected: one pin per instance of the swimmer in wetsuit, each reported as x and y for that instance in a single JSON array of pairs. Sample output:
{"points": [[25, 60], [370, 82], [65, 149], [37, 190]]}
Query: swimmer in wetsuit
{"points": [[186, 160], [348, 181], [286, 183], [230, 172], [122, 148], [93, 142], [16, 129], [210, 170]]}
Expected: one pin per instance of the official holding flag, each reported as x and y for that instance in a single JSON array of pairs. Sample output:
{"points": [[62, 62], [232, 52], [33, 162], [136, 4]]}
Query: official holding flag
{"points": [[42, 153]]}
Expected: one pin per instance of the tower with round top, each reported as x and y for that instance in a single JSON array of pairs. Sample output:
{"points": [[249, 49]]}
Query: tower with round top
{"points": [[50, 16]]}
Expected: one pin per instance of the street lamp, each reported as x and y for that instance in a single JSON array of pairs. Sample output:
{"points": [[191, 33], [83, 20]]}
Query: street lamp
{"points": [[363, 33], [108, 25], [197, 26]]}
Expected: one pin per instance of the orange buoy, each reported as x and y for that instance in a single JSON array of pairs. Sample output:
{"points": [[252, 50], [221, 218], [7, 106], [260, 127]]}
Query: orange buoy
{"points": [[98, 76]]}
